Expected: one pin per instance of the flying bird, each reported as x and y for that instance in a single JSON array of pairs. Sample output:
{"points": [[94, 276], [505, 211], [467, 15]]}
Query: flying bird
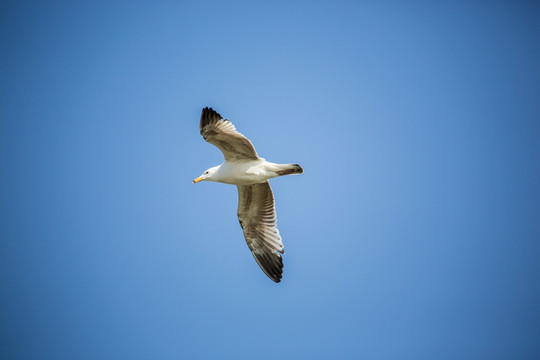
{"points": [[250, 173]]}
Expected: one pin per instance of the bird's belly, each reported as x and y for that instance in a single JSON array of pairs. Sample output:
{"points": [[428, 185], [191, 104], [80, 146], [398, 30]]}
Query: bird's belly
{"points": [[243, 179], [243, 173]]}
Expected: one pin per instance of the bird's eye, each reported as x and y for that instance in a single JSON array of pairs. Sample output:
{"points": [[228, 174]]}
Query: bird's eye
{"points": [[206, 173]]}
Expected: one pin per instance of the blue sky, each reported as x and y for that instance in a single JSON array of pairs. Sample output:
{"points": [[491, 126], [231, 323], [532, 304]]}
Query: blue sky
{"points": [[413, 233]]}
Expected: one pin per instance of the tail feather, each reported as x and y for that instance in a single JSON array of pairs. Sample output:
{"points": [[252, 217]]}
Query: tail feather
{"points": [[290, 169]]}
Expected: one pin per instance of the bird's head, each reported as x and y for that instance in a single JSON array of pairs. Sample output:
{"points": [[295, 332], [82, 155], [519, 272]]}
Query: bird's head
{"points": [[207, 175]]}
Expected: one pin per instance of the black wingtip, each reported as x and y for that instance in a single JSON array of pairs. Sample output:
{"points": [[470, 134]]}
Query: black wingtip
{"points": [[209, 116], [210, 113], [271, 265]]}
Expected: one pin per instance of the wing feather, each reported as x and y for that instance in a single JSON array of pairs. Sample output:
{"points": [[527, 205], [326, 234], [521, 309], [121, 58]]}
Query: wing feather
{"points": [[257, 216], [223, 134]]}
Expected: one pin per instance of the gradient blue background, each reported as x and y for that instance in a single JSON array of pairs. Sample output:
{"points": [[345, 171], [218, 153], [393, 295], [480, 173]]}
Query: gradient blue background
{"points": [[414, 232]]}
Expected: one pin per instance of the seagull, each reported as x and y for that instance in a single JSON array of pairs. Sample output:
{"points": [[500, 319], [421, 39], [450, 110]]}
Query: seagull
{"points": [[250, 173]]}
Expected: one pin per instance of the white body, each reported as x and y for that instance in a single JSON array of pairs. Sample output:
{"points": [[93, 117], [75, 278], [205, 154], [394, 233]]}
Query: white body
{"points": [[245, 172]]}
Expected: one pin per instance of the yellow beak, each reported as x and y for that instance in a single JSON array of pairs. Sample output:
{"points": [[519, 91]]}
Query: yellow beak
{"points": [[197, 180]]}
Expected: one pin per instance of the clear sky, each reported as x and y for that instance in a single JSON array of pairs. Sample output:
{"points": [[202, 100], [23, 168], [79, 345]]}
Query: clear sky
{"points": [[414, 232]]}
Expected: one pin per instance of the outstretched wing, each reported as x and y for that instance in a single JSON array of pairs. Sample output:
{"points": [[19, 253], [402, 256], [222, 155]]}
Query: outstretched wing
{"points": [[257, 216], [223, 134]]}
